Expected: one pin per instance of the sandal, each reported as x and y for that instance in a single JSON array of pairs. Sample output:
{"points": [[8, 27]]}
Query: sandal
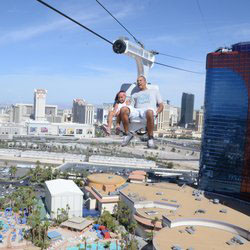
{"points": [[106, 129]]}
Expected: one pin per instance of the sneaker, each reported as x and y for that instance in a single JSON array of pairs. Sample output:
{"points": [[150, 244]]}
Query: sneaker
{"points": [[126, 139], [106, 129], [151, 144], [117, 130]]}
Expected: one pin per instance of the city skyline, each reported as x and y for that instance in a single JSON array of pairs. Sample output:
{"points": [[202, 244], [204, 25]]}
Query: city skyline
{"points": [[47, 51]]}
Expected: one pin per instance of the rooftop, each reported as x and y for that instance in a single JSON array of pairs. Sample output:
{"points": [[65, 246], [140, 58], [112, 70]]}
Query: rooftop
{"points": [[177, 206], [77, 223], [205, 238], [106, 179], [136, 177], [61, 186]]}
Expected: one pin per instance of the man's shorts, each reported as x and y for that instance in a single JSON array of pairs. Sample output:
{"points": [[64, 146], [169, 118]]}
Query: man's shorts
{"points": [[139, 113]]}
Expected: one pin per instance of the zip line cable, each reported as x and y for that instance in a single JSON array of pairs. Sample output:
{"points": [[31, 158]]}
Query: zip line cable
{"points": [[204, 21], [106, 40], [71, 19], [136, 40], [177, 57], [172, 67]]}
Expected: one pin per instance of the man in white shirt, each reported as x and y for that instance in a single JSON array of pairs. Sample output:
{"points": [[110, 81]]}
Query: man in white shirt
{"points": [[146, 103]]}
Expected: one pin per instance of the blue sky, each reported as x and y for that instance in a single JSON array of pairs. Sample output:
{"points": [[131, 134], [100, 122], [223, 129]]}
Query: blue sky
{"points": [[41, 49]]}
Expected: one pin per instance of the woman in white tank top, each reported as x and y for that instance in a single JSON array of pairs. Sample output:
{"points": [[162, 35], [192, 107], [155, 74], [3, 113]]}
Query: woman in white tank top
{"points": [[120, 101]]}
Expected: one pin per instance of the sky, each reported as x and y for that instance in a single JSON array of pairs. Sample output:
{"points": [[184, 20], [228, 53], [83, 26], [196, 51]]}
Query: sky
{"points": [[41, 49]]}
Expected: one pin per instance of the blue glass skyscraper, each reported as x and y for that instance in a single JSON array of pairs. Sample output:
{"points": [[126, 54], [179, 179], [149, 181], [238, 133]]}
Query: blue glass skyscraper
{"points": [[225, 150]]}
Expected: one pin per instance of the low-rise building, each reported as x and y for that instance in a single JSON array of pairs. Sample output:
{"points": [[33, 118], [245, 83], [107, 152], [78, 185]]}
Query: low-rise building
{"points": [[63, 194], [101, 191], [186, 217], [183, 216], [43, 128], [137, 176], [122, 161]]}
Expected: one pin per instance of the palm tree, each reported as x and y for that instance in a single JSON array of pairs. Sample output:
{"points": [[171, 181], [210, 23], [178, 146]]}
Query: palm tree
{"points": [[97, 242], [5, 163], [37, 170], [56, 173], [107, 244], [132, 228], [46, 225], [65, 175], [13, 170], [154, 221], [67, 210], [85, 242]]}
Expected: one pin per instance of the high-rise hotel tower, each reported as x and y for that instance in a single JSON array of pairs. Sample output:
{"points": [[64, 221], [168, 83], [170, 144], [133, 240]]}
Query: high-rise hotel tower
{"points": [[225, 151], [39, 104]]}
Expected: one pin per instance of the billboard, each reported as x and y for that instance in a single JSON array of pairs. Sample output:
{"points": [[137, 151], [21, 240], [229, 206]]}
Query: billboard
{"points": [[62, 131], [79, 131], [70, 131], [44, 130], [33, 129]]}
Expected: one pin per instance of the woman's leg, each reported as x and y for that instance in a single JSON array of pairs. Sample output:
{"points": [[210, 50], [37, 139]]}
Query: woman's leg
{"points": [[110, 118]]}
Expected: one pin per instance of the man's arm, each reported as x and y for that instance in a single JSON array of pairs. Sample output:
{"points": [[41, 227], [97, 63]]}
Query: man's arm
{"points": [[159, 109], [159, 101]]}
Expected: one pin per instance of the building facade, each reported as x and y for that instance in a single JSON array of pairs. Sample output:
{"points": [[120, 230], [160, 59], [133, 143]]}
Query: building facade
{"points": [[39, 104], [199, 120], [63, 194], [225, 151], [77, 130], [173, 116], [187, 109], [83, 112], [21, 112], [163, 119]]}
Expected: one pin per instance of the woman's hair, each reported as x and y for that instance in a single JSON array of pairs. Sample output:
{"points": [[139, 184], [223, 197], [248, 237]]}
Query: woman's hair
{"points": [[117, 95]]}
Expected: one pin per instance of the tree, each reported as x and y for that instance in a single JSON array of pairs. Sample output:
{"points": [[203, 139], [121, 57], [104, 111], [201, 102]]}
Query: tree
{"points": [[150, 236], [37, 171], [65, 175], [97, 242], [123, 214], [85, 242], [107, 244], [133, 245], [173, 150], [2, 203], [6, 164], [84, 173], [13, 170], [108, 221], [38, 229], [56, 174], [170, 165], [132, 227], [46, 225], [154, 221]]}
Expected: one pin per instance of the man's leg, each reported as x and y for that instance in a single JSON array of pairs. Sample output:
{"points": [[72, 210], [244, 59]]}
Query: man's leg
{"points": [[150, 128], [150, 123]]}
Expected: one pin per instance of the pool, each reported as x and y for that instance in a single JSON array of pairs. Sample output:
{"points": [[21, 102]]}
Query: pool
{"points": [[93, 246], [4, 225]]}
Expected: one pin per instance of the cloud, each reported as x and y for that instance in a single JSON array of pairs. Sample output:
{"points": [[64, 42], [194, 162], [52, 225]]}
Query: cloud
{"points": [[95, 17], [27, 33], [232, 33]]}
